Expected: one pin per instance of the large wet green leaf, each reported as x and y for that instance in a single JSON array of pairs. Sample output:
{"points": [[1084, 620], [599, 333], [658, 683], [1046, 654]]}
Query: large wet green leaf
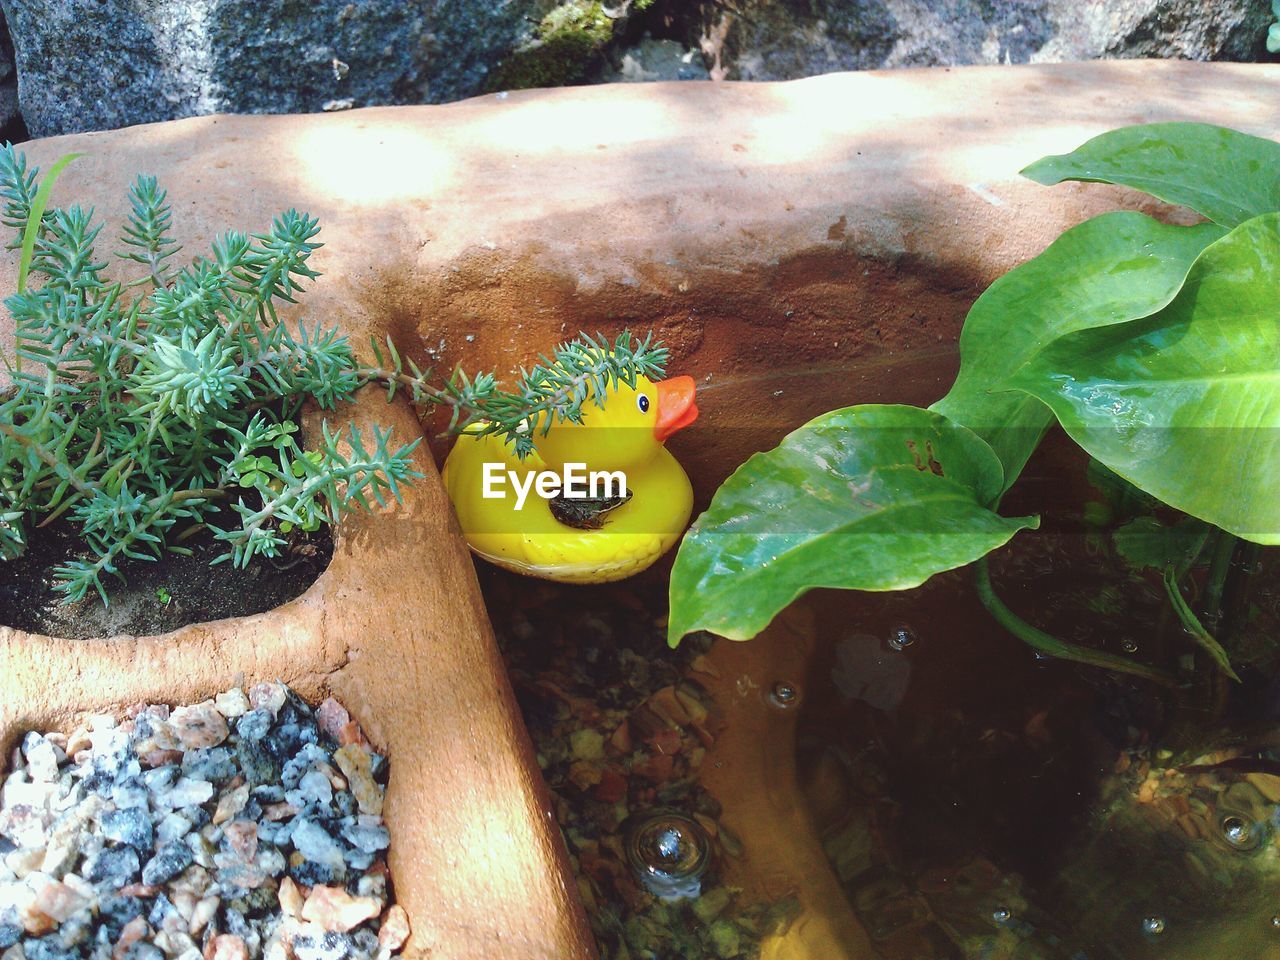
{"points": [[1185, 404], [873, 497], [1221, 174], [1111, 269]]}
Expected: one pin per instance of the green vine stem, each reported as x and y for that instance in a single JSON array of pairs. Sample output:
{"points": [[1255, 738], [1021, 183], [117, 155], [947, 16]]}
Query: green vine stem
{"points": [[1191, 623], [1049, 645], [1224, 551]]}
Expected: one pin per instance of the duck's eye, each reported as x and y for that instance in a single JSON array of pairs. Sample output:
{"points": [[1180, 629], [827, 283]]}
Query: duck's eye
{"points": [[643, 402]]}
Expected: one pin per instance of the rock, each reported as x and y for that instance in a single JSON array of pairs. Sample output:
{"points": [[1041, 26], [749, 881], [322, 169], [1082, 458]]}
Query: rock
{"points": [[587, 744], [173, 827], [241, 839], [59, 901], [117, 63], [291, 898], [332, 717], [169, 861], [269, 697], [114, 867], [131, 825], [133, 931], [188, 793], [766, 40], [355, 763], [321, 945], [660, 60], [229, 947], [153, 734], [255, 724], [367, 834], [205, 910], [395, 929], [335, 909], [313, 788], [199, 725], [1267, 784], [317, 845], [231, 803], [42, 758], [233, 703]]}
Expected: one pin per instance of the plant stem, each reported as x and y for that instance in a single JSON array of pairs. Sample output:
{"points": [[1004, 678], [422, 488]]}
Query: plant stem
{"points": [[1049, 645], [1224, 551], [1191, 623]]}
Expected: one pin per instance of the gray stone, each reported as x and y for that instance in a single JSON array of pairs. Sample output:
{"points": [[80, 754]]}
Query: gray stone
{"points": [[255, 724], [111, 63], [173, 827], [660, 60], [324, 946], [367, 834], [8, 79], [787, 39], [131, 826], [316, 844], [114, 867], [170, 861]]}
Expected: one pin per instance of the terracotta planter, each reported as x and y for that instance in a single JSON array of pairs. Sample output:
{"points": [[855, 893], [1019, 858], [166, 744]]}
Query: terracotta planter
{"points": [[778, 236], [396, 630]]}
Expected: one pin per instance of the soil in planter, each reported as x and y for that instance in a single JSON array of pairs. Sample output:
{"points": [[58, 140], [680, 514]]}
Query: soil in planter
{"points": [[972, 800], [156, 597]]}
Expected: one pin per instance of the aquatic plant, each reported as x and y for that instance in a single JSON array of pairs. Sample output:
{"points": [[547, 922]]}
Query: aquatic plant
{"points": [[149, 409], [1154, 346]]}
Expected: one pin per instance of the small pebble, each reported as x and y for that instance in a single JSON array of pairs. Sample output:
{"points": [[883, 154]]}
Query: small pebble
{"points": [[332, 718], [395, 929], [232, 704], [354, 762], [199, 726], [169, 861], [335, 909]]}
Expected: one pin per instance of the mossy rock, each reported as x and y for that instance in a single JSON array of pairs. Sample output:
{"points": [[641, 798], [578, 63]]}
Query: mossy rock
{"points": [[568, 42]]}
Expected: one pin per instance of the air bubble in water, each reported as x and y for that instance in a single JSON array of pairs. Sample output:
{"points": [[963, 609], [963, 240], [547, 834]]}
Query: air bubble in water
{"points": [[901, 637], [1238, 832], [669, 853], [1001, 914], [1275, 921], [784, 695], [1153, 926], [1129, 645]]}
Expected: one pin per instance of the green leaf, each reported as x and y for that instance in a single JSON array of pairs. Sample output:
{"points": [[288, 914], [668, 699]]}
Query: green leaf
{"points": [[32, 230], [873, 497], [1148, 544], [1222, 174], [1184, 404], [1111, 269]]}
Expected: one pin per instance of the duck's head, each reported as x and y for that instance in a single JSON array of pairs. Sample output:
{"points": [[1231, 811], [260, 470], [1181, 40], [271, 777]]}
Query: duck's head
{"points": [[627, 431]]}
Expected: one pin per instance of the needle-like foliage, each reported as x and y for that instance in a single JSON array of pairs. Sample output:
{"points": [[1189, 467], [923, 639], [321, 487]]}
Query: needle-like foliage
{"points": [[149, 410], [142, 410], [554, 390]]}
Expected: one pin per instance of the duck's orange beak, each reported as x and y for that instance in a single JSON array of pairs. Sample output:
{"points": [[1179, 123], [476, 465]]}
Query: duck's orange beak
{"points": [[676, 409]]}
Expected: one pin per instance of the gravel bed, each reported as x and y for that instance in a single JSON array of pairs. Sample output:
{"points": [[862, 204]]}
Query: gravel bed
{"points": [[243, 827]]}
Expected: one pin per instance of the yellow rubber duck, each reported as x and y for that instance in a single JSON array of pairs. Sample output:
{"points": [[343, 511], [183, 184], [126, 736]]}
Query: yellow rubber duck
{"points": [[530, 534]]}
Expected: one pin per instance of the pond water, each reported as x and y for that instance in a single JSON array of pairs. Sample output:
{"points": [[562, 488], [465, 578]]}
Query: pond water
{"points": [[894, 776]]}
